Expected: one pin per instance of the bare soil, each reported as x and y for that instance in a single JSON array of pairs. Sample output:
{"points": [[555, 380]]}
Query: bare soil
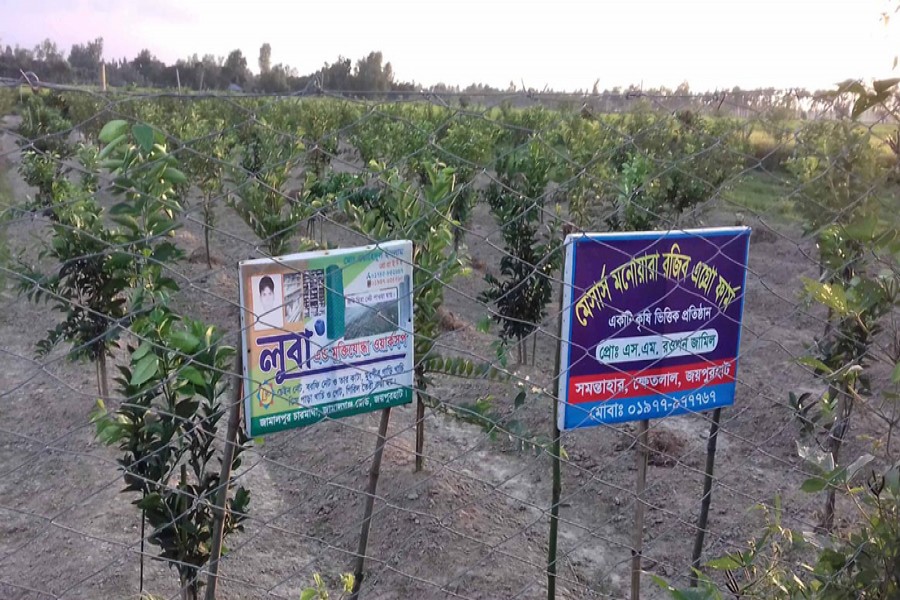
{"points": [[474, 524]]}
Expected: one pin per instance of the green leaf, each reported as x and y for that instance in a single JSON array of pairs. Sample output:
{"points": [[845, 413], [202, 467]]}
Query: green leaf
{"points": [[895, 374], [863, 227], [184, 342], [729, 562], [99, 411], [484, 325], [144, 369], [141, 351], [186, 408], [858, 464], [174, 176], [520, 399], [143, 134], [813, 485], [830, 295], [112, 130], [892, 480], [862, 104], [308, 594], [193, 375], [108, 149], [815, 364], [150, 501]]}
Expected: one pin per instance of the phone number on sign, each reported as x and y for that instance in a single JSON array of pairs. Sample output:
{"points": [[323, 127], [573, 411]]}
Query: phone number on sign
{"points": [[658, 406]]}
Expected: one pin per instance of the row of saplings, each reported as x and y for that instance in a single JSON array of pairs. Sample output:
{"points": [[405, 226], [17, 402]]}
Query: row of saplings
{"points": [[110, 281]]}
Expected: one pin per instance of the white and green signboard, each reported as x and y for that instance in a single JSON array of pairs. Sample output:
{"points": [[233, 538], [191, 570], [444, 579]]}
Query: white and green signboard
{"points": [[326, 335]]}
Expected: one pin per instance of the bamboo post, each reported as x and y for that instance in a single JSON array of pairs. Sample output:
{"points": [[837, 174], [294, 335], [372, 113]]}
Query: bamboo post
{"points": [[556, 490], [374, 472], [707, 495], [103, 77], [420, 431], [638, 539], [234, 421]]}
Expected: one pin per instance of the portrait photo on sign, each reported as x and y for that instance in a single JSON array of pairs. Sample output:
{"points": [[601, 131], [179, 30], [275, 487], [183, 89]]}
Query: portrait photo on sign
{"points": [[268, 301]]}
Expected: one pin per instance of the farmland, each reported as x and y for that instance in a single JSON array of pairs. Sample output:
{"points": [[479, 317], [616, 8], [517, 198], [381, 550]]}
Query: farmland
{"points": [[159, 197]]}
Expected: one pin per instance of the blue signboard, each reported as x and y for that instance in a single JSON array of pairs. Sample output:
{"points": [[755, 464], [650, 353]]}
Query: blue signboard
{"points": [[651, 324]]}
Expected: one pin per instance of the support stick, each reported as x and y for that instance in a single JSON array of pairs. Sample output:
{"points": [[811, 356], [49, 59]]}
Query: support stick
{"points": [[374, 472], [707, 495], [638, 540], [556, 490], [234, 421], [420, 431]]}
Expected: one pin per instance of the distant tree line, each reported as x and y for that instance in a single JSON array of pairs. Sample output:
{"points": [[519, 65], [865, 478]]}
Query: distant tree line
{"points": [[370, 74], [208, 72]]}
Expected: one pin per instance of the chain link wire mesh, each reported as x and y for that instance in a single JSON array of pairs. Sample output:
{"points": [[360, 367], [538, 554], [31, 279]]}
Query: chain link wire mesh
{"points": [[527, 169]]}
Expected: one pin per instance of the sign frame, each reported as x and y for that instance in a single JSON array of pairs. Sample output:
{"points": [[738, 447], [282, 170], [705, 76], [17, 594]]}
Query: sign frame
{"points": [[617, 411], [302, 343]]}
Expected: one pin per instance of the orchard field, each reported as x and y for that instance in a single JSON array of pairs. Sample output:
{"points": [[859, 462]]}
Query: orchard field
{"points": [[125, 216]]}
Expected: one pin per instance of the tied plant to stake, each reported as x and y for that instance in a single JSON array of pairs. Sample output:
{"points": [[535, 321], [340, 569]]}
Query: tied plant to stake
{"points": [[205, 161], [89, 280], [840, 209], [45, 148], [528, 263], [167, 427]]}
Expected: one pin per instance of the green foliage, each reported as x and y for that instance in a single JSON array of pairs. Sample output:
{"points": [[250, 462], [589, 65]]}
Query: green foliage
{"points": [[167, 429], [424, 219], [8, 100], [88, 285], [145, 180], [206, 150], [835, 166], [319, 591], [44, 146], [43, 127], [673, 164], [322, 122], [530, 258], [785, 564], [89, 277], [259, 176], [98, 263], [466, 145]]}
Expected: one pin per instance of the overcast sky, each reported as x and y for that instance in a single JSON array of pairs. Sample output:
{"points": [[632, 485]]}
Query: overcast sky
{"points": [[565, 44]]}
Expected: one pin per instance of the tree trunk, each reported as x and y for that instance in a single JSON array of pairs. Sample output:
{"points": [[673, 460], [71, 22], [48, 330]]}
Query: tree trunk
{"points": [[102, 382], [207, 224], [420, 432], [190, 590], [835, 441]]}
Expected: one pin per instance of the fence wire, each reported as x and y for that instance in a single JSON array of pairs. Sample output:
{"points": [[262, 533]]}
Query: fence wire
{"points": [[268, 175]]}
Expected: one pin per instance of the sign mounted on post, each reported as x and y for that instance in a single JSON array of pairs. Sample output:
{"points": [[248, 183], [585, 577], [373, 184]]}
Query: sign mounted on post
{"points": [[651, 324], [326, 334]]}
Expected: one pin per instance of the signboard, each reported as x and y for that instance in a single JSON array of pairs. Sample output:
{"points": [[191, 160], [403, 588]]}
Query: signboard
{"points": [[326, 334], [651, 324]]}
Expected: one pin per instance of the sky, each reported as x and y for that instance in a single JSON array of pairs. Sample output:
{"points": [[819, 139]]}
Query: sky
{"points": [[563, 44]]}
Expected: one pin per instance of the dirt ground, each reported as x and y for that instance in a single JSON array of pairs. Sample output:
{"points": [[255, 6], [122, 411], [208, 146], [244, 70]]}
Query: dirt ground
{"points": [[474, 524]]}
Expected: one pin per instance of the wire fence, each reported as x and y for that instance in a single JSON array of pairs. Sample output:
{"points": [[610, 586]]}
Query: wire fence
{"points": [[486, 189]]}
